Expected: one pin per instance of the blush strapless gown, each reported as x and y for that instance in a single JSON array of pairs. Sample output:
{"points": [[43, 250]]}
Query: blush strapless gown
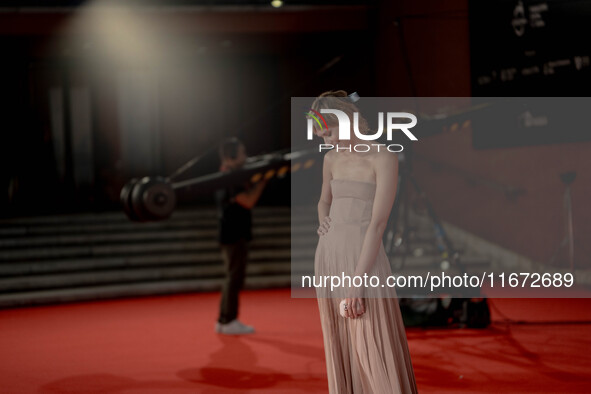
{"points": [[368, 354]]}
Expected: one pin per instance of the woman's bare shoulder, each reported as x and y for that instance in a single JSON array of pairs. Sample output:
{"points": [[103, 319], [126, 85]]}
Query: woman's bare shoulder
{"points": [[330, 155], [385, 160], [385, 157]]}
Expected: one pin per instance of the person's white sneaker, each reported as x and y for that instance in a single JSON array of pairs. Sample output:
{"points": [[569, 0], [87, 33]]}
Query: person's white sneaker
{"points": [[235, 327]]}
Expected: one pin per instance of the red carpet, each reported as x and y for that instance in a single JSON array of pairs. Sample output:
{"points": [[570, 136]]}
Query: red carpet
{"points": [[167, 345]]}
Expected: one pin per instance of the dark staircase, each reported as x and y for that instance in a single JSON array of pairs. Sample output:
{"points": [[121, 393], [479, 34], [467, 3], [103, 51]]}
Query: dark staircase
{"points": [[82, 257]]}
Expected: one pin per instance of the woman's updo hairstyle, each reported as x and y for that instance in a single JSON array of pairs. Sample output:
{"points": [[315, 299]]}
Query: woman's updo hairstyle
{"points": [[339, 99]]}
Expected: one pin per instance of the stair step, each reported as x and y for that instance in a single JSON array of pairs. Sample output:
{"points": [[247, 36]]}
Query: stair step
{"points": [[159, 235], [128, 262], [64, 229], [131, 248], [119, 216], [62, 280]]}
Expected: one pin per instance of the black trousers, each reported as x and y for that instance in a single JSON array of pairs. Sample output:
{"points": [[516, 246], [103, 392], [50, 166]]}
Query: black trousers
{"points": [[234, 257]]}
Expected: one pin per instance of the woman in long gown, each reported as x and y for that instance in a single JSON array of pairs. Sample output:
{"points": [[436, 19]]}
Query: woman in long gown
{"points": [[367, 350]]}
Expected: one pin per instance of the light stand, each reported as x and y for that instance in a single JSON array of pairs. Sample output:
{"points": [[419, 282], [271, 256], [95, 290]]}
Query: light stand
{"points": [[399, 235], [567, 178]]}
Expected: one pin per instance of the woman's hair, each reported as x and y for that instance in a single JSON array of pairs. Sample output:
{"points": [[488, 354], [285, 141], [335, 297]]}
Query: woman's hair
{"points": [[339, 99], [229, 148]]}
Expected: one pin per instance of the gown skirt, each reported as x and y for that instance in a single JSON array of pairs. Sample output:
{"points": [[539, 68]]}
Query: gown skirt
{"points": [[368, 354]]}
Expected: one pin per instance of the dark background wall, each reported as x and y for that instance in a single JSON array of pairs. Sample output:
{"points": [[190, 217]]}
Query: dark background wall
{"points": [[232, 73], [437, 41], [93, 100]]}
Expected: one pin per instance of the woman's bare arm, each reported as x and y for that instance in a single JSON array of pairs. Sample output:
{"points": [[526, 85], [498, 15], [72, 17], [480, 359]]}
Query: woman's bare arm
{"points": [[326, 193], [386, 170]]}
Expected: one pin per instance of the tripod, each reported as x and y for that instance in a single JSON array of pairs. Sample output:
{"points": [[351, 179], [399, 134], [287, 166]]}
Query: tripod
{"points": [[400, 234]]}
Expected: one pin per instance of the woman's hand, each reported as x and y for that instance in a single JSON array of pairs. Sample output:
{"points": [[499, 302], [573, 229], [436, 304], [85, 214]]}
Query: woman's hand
{"points": [[354, 307], [324, 226]]}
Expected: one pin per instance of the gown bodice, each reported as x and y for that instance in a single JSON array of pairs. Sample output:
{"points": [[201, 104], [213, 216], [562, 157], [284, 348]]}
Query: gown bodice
{"points": [[352, 201]]}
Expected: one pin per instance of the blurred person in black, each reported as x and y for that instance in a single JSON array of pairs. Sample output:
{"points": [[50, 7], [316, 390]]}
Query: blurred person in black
{"points": [[234, 204]]}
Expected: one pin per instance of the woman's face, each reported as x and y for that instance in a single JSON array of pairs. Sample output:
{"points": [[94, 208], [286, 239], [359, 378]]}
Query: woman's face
{"points": [[330, 136]]}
